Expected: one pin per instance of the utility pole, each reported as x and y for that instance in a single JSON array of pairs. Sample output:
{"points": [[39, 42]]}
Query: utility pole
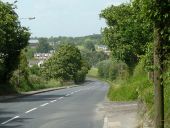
{"points": [[159, 58], [158, 79]]}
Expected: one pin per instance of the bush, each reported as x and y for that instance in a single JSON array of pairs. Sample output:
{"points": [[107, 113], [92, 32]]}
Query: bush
{"points": [[63, 64], [34, 80], [54, 83], [103, 68], [93, 72], [112, 70], [34, 70], [81, 75], [122, 93], [20, 81]]}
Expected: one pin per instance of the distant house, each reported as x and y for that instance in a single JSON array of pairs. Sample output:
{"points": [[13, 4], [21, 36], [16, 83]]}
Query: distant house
{"points": [[103, 48], [33, 43], [42, 56], [52, 43]]}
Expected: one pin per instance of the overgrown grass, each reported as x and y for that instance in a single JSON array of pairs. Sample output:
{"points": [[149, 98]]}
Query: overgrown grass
{"points": [[39, 85], [139, 87], [93, 72], [31, 83]]}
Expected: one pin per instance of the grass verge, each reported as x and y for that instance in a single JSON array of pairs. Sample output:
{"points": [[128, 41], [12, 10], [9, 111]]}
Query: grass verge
{"points": [[93, 72]]}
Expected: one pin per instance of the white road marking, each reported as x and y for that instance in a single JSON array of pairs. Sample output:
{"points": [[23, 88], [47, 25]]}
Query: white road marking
{"points": [[10, 120], [30, 110], [60, 98], [67, 94], [44, 104], [53, 101]]}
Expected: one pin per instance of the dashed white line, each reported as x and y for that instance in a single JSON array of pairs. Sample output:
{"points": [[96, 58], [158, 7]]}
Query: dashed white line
{"points": [[72, 93], [10, 120], [67, 95], [60, 98], [44, 104], [53, 101], [30, 110]]}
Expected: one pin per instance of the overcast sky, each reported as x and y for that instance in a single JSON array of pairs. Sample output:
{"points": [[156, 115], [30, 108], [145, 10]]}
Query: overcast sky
{"points": [[63, 17]]}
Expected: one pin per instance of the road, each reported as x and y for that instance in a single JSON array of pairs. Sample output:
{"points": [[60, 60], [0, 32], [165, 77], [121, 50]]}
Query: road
{"points": [[67, 108]]}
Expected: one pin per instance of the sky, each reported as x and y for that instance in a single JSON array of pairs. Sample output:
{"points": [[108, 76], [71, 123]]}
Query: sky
{"points": [[63, 17]]}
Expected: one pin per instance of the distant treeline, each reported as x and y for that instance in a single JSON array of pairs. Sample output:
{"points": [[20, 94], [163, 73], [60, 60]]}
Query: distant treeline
{"points": [[95, 38]]}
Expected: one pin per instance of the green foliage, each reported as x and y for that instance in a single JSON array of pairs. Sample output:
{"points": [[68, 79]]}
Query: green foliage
{"points": [[136, 87], [36, 80], [93, 57], [112, 70], [93, 72], [43, 46], [54, 83], [20, 76], [13, 38], [81, 75], [30, 53], [96, 39], [127, 33], [35, 70], [122, 93], [103, 68], [89, 45], [64, 64]]}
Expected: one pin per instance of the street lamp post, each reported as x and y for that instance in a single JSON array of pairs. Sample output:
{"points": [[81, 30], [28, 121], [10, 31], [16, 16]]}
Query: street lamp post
{"points": [[29, 18]]}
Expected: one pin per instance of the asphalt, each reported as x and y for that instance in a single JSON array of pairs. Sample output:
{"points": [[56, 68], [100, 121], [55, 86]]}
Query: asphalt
{"points": [[75, 107]]}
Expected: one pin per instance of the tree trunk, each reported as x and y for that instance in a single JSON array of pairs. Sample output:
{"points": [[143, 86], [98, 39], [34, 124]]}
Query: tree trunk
{"points": [[158, 78]]}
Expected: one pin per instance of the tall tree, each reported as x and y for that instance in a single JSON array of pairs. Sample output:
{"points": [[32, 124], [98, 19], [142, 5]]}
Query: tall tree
{"points": [[161, 22], [158, 12], [64, 63], [43, 46], [126, 34], [13, 38], [89, 45]]}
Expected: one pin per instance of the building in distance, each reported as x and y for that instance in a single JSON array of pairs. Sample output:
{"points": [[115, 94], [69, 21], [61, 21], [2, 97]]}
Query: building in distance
{"points": [[33, 43]]}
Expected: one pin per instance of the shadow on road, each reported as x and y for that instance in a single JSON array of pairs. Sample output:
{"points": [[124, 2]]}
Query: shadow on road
{"points": [[6, 115], [43, 96], [32, 98]]}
